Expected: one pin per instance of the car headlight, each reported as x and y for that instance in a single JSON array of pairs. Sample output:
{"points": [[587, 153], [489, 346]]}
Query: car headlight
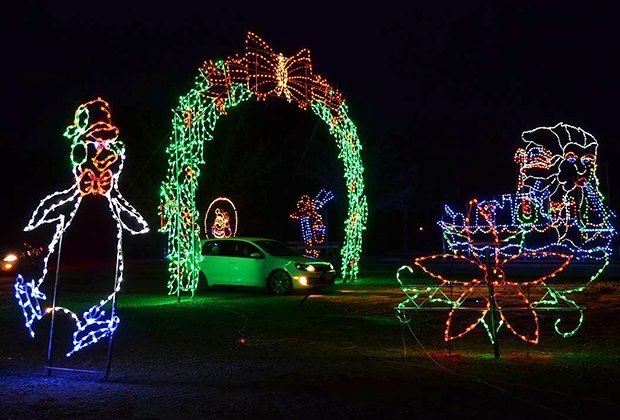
{"points": [[10, 258], [331, 266]]}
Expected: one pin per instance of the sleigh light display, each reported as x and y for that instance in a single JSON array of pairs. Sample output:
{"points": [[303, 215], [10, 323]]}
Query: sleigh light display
{"points": [[557, 217]]}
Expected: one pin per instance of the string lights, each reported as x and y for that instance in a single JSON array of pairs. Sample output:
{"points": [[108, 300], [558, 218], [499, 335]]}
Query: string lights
{"points": [[217, 223], [259, 73], [557, 213], [558, 205], [489, 291], [311, 221], [97, 158]]}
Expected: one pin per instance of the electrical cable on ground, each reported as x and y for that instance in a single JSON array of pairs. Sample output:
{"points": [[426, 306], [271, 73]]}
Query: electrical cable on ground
{"points": [[477, 379]]}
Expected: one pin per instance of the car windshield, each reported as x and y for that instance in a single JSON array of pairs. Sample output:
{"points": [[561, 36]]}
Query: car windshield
{"points": [[276, 248]]}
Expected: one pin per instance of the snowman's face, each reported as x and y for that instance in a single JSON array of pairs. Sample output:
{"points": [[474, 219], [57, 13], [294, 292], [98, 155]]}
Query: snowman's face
{"points": [[97, 165], [96, 153]]}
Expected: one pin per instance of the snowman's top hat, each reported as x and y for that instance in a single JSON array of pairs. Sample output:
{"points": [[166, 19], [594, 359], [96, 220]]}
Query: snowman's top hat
{"points": [[93, 121]]}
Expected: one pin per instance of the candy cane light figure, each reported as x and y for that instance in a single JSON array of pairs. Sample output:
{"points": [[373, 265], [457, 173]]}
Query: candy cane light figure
{"points": [[311, 221], [97, 157]]}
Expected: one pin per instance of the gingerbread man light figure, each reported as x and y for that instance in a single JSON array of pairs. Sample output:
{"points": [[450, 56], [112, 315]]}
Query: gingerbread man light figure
{"points": [[97, 157]]}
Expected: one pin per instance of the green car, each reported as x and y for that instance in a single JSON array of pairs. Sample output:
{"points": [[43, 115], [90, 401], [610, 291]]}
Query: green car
{"points": [[260, 262]]}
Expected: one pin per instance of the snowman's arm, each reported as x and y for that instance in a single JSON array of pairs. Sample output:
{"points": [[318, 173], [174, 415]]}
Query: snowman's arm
{"points": [[322, 198], [56, 207], [128, 217]]}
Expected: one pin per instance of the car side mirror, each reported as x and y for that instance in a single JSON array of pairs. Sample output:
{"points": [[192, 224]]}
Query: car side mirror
{"points": [[256, 255]]}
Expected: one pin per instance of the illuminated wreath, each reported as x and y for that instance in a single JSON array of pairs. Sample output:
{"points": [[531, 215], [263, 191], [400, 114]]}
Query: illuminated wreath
{"points": [[221, 85]]}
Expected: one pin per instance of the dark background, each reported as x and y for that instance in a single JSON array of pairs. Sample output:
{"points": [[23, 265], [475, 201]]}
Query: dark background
{"points": [[440, 92]]}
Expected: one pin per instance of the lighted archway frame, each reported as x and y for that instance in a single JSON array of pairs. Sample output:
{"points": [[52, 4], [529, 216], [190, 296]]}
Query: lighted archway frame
{"points": [[259, 73]]}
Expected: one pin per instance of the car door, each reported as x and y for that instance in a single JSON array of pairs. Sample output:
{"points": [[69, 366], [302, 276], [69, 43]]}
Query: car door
{"points": [[246, 265], [216, 261]]}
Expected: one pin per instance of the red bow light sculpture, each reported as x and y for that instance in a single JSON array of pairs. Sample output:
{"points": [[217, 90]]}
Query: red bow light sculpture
{"points": [[267, 73]]}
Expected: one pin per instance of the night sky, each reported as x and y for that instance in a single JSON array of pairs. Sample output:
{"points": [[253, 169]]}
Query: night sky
{"points": [[440, 92]]}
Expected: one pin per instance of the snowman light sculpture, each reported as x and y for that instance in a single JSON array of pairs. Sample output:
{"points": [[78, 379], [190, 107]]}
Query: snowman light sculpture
{"points": [[97, 157]]}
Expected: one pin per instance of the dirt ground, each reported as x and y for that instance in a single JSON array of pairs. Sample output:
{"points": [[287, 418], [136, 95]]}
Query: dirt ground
{"points": [[343, 353]]}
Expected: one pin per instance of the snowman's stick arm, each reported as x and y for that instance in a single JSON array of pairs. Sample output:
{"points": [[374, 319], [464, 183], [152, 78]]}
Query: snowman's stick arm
{"points": [[56, 207], [128, 216]]}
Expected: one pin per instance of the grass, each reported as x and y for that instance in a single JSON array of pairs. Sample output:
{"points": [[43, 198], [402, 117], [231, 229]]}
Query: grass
{"points": [[340, 354]]}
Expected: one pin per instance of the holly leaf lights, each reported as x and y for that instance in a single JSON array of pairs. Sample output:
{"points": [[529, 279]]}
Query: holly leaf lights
{"points": [[97, 158], [489, 285], [259, 73]]}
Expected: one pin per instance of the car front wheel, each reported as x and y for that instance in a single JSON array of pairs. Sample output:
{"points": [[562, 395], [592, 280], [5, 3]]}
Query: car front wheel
{"points": [[203, 283], [279, 283]]}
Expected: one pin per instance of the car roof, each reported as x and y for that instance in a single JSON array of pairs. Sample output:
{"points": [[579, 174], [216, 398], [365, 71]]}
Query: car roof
{"points": [[242, 238]]}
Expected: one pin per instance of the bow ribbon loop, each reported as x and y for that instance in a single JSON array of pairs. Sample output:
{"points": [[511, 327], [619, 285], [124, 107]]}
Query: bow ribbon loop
{"points": [[273, 74], [91, 183]]}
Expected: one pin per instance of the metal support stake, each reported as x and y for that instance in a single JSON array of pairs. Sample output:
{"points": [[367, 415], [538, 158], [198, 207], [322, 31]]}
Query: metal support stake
{"points": [[527, 343], [492, 302], [50, 344], [177, 217], [451, 300], [493, 328], [108, 362]]}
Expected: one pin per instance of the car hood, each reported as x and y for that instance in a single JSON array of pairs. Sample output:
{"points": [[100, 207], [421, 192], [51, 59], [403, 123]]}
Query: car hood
{"points": [[300, 259]]}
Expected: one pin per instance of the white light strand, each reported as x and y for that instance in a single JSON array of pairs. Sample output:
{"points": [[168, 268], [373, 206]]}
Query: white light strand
{"points": [[96, 174]]}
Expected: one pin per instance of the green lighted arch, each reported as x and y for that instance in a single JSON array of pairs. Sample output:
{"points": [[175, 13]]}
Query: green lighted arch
{"points": [[258, 74]]}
